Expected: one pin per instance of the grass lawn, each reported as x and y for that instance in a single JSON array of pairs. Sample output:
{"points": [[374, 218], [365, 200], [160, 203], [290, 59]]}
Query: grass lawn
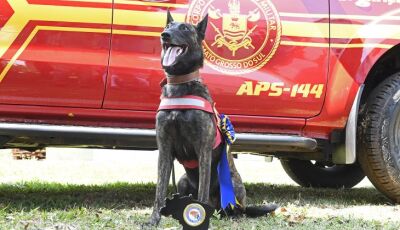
{"points": [[37, 205], [78, 190]]}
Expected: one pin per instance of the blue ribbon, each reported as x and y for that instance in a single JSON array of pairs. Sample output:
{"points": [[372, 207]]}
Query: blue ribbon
{"points": [[228, 198]]}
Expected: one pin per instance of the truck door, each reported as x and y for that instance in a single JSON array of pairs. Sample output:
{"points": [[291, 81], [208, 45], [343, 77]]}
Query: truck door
{"points": [[54, 53], [263, 58]]}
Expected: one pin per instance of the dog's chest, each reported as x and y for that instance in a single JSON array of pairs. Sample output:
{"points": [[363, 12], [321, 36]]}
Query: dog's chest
{"points": [[175, 118], [184, 122], [186, 131], [185, 119]]}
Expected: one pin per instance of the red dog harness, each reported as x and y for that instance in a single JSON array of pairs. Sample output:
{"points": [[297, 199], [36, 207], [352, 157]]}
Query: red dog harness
{"points": [[191, 102]]}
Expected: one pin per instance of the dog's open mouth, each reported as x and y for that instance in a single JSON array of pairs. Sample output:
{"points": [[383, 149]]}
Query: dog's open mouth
{"points": [[172, 52]]}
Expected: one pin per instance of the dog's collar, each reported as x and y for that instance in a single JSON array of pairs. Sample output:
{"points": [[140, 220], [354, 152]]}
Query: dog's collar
{"points": [[181, 79]]}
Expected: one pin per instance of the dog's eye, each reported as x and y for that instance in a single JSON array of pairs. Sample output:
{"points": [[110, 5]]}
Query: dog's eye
{"points": [[167, 26], [184, 28]]}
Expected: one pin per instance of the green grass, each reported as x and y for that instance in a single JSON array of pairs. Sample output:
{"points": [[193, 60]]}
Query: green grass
{"points": [[36, 205]]}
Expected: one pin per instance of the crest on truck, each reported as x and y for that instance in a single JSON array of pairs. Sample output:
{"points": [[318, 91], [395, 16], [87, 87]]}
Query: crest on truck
{"points": [[242, 36]]}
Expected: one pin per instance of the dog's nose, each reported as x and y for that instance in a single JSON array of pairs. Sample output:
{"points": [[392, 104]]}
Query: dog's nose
{"points": [[165, 36]]}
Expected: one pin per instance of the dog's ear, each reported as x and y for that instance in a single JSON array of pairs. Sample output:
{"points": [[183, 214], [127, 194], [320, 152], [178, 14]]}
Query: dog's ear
{"points": [[202, 27], [169, 17]]}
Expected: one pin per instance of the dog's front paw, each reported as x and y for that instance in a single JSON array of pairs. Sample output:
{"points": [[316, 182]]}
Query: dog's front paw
{"points": [[153, 221]]}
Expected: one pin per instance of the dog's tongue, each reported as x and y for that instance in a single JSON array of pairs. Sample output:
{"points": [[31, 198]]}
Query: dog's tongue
{"points": [[171, 54]]}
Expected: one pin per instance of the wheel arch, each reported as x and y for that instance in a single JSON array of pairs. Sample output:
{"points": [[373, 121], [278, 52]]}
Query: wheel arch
{"points": [[385, 66], [349, 70], [348, 91]]}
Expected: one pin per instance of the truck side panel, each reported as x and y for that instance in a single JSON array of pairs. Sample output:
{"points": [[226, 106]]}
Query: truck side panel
{"points": [[362, 31], [283, 65], [54, 53]]}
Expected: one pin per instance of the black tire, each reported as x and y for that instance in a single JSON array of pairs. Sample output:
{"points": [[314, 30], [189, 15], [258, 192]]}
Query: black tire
{"points": [[318, 175], [378, 147]]}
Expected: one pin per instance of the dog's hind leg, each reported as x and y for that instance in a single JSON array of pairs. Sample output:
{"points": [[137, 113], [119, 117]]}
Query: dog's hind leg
{"points": [[240, 191], [165, 162], [185, 188], [188, 185]]}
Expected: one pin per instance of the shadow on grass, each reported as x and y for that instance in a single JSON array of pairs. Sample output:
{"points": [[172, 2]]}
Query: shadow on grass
{"points": [[50, 196]]}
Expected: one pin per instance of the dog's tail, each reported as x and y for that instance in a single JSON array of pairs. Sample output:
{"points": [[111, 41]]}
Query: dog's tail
{"points": [[261, 210]]}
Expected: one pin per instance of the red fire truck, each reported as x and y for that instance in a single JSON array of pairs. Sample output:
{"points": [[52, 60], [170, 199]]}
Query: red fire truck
{"points": [[314, 83]]}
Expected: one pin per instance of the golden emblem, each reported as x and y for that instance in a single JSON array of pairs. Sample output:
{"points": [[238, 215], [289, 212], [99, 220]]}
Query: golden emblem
{"points": [[243, 35], [235, 34]]}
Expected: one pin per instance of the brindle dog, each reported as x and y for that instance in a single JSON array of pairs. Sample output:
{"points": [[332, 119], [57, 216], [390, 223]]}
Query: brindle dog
{"points": [[189, 134]]}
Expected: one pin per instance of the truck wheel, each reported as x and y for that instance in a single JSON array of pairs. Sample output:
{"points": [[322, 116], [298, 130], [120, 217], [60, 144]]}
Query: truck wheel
{"points": [[378, 137], [319, 175]]}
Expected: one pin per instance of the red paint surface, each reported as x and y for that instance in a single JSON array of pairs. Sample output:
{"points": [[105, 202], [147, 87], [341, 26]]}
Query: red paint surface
{"points": [[59, 68], [135, 73], [64, 77], [348, 69], [5, 12], [71, 3]]}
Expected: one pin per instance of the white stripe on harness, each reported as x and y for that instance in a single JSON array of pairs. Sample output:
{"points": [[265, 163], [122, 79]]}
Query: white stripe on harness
{"points": [[182, 102]]}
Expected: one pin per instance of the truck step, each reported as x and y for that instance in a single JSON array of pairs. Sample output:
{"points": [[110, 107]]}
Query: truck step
{"points": [[130, 138]]}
